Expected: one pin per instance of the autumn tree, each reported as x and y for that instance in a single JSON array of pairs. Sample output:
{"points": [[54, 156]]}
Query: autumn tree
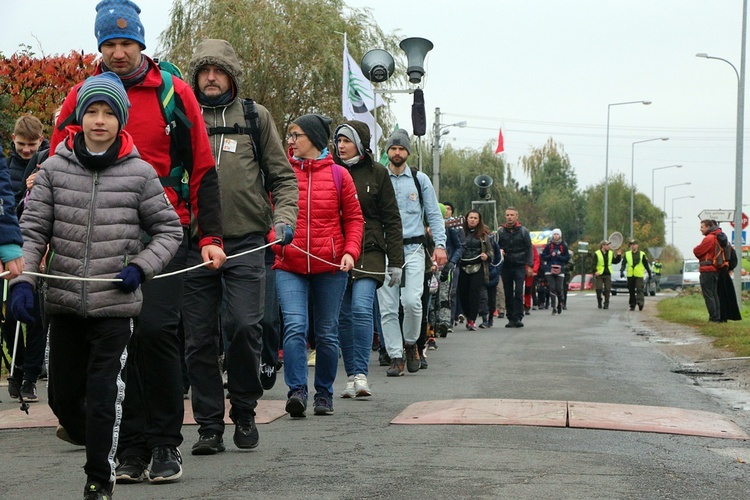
{"points": [[38, 85], [290, 51]]}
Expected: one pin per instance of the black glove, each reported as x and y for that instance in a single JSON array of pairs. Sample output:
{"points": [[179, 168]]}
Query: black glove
{"points": [[622, 274], [446, 271], [22, 303], [131, 276]]}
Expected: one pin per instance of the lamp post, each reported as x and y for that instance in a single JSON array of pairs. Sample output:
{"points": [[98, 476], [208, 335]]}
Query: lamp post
{"points": [[673, 217], [670, 186], [739, 151], [653, 201], [606, 162], [632, 177], [438, 131]]}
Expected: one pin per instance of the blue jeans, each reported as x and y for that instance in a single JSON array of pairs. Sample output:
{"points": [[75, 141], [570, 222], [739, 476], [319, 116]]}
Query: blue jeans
{"points": [[294, 291], [355, 325], [410, 297]]}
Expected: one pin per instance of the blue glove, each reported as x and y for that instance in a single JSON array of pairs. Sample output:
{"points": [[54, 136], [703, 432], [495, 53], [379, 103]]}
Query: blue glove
{"points": [[131, 277], [22, 303], [283, 232]]}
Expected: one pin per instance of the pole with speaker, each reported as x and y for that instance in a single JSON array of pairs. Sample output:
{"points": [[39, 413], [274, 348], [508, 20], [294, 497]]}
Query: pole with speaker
{"points": [[378, 66], [485, 205]]}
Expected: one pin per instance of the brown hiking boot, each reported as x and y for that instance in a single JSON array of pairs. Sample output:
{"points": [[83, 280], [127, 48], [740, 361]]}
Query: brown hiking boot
{"points": [[412, 358], [397, 368]]}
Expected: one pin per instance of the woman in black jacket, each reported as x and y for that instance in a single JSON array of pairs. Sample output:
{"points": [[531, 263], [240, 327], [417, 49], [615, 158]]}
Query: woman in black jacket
{"points": [[474, 266], [383, 237]]}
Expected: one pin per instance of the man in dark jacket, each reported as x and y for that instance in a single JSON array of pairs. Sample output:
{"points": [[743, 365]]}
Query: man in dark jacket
{"points": [[518, 262], [246, 182]]}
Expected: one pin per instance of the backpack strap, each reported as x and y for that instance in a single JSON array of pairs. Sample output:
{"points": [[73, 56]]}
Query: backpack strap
{"points": [[338, 180], [177, 128], [414, 172]]}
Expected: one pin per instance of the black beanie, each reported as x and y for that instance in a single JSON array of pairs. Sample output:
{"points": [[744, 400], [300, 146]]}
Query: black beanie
{"points": [[317, 128]]}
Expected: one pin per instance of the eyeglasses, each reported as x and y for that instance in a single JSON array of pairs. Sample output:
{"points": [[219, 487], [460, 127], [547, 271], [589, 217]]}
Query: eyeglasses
{"points": [[294, 136]]}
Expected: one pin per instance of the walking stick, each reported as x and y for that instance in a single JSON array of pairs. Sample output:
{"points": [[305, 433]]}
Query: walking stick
{"points": [[11, 379]]}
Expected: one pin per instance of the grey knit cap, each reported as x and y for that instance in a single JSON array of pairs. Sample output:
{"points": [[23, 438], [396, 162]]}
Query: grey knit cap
{"points": [[399, 138]]}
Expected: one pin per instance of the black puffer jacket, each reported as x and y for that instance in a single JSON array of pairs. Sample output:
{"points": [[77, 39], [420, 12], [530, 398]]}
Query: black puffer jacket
{"points": [[516, 246]]}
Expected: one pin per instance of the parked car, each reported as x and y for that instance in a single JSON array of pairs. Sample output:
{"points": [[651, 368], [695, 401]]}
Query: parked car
{"points": [[671, 282], [575, 283], [649, 286], [691, 275]]}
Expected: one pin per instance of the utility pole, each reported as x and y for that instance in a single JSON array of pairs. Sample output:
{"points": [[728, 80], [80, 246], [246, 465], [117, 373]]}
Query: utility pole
{"points": [[436, 153]]}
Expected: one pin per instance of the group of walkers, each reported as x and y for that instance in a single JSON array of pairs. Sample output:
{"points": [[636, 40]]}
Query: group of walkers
{"points": [[173, 227]]}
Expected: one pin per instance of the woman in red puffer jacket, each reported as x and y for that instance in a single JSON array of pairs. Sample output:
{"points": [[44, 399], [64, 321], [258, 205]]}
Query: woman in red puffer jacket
{"points": [[313, 268]]}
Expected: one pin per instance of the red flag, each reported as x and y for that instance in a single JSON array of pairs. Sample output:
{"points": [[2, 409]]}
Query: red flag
{"points": [[500, 143]]}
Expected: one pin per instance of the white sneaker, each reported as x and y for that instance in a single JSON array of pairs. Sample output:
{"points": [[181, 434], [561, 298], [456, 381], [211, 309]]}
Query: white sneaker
{"points": [[349, 391], [361, 389]]}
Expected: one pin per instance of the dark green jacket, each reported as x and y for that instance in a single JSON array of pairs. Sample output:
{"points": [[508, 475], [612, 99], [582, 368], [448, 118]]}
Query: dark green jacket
{"points": [[383, 234]]}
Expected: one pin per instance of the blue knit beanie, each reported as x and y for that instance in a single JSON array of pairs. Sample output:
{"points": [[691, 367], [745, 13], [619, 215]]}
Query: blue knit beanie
{"points": [[118, 19], [106, 87]]}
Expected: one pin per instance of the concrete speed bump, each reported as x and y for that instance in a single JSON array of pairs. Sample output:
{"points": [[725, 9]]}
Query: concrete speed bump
{"points": [[486, 411], [652, 419], [579, 415]]}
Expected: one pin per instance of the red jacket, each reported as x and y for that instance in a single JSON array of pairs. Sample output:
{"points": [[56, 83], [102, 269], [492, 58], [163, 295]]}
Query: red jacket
{"points": [[705, 252], [322, 229], [146, 124]]}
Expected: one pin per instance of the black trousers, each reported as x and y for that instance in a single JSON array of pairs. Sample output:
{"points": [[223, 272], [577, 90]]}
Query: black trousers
{"points": [[270, 323], [86, 359], [29, 351], [240, 284], [469, 293], [153, 410], [513, 278]]}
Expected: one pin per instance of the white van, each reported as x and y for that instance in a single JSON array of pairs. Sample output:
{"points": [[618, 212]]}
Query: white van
{"points": [[691, 273]]}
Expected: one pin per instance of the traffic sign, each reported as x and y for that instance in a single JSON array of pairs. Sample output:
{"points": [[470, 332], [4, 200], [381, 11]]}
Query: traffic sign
{"points": [[744, 220], [744, 238], [717, 215]]}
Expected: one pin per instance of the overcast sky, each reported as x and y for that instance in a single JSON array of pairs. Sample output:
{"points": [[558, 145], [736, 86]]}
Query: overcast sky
{"points": [[540, 69]]}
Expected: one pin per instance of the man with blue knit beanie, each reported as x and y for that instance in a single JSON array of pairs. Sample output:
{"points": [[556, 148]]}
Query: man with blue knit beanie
{"points": [[153, 410]]}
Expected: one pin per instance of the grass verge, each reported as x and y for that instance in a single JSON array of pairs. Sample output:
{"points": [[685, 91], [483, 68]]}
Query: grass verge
{"points": [[688, 308]]}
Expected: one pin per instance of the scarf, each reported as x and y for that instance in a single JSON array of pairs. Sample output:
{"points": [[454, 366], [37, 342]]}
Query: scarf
{"points": [[134, 77], [214, 101], [95, 162]]}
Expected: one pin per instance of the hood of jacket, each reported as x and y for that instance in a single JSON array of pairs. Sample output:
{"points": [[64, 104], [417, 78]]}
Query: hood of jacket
{"points": [[127, 146], [218, 53]]}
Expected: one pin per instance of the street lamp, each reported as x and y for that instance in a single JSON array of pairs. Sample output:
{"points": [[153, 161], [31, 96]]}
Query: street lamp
{"points": [[606, 162], [665, 192], [673, 217], [653, 201], [632, 177], [738, 152], [439, 130]]}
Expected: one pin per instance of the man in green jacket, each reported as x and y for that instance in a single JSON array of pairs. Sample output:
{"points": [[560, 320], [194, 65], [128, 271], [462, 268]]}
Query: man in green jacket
{"points": [[247, 183]]}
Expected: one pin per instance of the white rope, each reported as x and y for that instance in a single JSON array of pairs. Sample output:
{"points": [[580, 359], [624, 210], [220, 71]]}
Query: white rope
{"points": [[117, 280]]}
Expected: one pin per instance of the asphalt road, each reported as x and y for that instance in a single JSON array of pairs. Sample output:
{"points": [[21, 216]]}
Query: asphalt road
{"points": [[585, 354]]}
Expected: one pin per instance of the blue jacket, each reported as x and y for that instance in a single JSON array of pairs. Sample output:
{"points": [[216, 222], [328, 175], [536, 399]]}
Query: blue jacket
{"points": [[555, 253], [10, 232]]}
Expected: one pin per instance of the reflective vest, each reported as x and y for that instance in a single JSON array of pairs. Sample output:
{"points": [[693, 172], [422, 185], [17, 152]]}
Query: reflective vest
{"points": [[600, 261], [656, 266], [638, 270]]}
